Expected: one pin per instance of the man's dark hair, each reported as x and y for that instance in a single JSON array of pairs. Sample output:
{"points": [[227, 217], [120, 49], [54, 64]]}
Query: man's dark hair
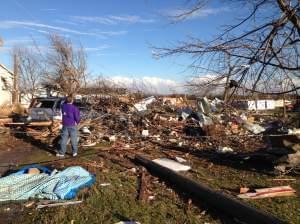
{"points": [[69, 99]]}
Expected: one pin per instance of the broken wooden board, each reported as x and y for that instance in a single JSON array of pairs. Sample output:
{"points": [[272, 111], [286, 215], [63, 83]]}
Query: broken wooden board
{"points": [[271, 192], [4, 121], [40, 205], [31, 124]]}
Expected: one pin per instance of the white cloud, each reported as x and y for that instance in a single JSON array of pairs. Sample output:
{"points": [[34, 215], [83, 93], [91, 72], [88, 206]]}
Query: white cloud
{"points": [[16, 24], [20, 41], [43, 31], [206, 84], [96, 49], [49, 10], [113, 20], [113, 33], [178, 14], [65, 22], [152, 85], [157, 85], [9, 24], [131, 19]]}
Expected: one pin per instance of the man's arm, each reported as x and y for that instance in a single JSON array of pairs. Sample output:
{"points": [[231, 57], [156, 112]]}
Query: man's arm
{"points": [[76, 115]]}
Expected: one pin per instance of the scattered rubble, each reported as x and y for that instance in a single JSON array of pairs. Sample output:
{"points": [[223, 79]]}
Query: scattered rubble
{"points": [[128, 123], [132, 127]]}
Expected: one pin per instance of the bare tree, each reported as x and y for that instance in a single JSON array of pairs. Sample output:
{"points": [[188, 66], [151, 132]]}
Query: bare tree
{"points": [[31, 71], [262, 46], [66, 65]]}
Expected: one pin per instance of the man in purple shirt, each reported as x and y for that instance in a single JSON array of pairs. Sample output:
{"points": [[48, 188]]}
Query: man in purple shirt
{"points": [[70, 120]]}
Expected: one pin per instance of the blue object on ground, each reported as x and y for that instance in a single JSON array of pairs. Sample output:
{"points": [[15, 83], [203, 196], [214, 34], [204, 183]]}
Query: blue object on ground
{"points": [[54, 186]]}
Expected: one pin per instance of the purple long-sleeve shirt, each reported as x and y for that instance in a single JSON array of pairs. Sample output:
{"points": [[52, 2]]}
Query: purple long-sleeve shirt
{"points": [[70, 115]]}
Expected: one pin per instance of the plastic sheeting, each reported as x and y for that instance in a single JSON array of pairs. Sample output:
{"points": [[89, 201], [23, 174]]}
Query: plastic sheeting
{"points": [[142, 105], [54, 186]]}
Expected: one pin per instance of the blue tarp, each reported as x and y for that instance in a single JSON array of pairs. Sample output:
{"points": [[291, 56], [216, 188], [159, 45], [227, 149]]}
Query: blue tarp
{"points": [[46, 185]]}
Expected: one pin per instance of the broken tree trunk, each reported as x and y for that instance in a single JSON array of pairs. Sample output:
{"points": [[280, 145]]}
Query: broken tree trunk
{"points": [[212, 198]]}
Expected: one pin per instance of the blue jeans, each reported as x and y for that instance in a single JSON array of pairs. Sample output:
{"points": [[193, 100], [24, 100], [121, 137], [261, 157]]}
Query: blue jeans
{"points": [[66, 133]]}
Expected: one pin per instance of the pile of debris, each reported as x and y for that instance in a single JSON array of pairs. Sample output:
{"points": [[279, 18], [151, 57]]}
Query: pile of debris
{"points": [[208, 124]]}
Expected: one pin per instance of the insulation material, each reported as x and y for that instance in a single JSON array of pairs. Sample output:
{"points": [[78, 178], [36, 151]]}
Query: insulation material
{"points": [[172, 164]]}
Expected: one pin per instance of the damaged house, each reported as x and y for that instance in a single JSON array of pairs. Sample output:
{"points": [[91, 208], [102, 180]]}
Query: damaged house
{"points": [[6, 80]]}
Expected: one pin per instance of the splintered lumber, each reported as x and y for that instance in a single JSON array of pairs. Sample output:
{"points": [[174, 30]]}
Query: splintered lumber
{"points": [[31, 124], [217, 200], [284, 179], [40, 124], [58, 204], [4, 121], [15, 124], [269, 192]]}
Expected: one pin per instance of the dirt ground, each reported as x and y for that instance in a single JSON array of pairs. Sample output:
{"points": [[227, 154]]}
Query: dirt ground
{"points": [[16, 152], [113, 197]]}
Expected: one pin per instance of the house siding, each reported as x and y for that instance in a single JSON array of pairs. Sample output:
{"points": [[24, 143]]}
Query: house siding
{"points": [[5, 94]]}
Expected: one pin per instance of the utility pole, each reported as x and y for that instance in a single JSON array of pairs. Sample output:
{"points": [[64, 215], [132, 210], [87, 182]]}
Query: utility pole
{"points": [[15, 90]]}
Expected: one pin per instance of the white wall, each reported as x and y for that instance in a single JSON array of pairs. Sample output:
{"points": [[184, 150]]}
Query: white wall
{"points": [[261, 104], [5, 95]]}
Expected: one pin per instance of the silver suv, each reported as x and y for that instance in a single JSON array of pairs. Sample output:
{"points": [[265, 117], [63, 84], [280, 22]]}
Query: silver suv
{"points": [[46, 109]]}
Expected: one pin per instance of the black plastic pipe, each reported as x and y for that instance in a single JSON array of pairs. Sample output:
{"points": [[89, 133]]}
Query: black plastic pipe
{"points": [[214, 199]]}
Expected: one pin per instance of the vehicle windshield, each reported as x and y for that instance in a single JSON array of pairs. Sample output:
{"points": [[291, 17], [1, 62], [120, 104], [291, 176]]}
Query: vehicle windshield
{"points": [[45, 104]]}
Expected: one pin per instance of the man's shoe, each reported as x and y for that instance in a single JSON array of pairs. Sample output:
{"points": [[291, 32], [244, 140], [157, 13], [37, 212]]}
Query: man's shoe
{"points": [[59, 155], [74, 154]]}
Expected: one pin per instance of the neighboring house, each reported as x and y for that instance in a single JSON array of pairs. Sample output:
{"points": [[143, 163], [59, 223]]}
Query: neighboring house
{"points": [[26, 98], [261, 104], [6, 81]]}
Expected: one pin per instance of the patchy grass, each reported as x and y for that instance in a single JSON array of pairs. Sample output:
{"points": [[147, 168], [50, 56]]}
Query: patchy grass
{"points": [[229, 180], [118, 201]]}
